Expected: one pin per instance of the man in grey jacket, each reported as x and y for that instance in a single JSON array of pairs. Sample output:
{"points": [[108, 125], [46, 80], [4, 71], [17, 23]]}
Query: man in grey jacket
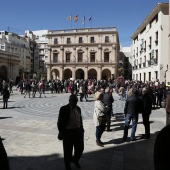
{"points": [[131, 112]]}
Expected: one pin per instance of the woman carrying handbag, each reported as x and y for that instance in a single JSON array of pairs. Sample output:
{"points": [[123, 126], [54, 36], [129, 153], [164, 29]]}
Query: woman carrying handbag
{"points": [[99, 117]]}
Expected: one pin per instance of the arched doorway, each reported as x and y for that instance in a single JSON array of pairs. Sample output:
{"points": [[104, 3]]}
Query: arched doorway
{"points": [[79, 74], [67, 74], [55, 74], [106, 74], [3, 72], [92, 74]]}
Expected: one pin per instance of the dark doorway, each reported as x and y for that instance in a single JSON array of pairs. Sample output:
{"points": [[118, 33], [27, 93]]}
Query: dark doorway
{"points": [[3, 73], [79, 74]]}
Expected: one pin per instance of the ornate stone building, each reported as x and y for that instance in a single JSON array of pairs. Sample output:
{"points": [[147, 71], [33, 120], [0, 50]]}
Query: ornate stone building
{"points": [[15, 56], [9, 64], [83, 53]]}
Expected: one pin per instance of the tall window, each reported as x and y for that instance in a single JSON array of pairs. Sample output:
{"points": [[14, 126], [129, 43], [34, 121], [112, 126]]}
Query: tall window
{"points": [[80, 40], [149, 76], [92, 57], [106, 57], [156, 38], [67, 57], [80, 57], [106, 38], [68, 40], [55, 41], [150, 42], [92, 39], [156, 57], [55, 57]]}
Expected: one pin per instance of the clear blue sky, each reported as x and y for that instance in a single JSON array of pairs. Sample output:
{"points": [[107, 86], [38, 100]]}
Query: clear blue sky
{"points": [[126, 15]]}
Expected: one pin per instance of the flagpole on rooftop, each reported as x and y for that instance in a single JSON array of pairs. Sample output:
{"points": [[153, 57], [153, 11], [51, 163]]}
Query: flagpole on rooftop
{"points": [[91, 21], [71, 21]]}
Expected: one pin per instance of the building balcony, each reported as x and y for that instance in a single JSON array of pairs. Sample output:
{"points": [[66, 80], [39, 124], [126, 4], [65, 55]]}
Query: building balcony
{"points": [[95, 62]]}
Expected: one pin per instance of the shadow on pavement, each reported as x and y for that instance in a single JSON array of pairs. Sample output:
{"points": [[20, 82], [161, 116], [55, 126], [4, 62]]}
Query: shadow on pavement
{"points": [[5, 117], [137, 155]]}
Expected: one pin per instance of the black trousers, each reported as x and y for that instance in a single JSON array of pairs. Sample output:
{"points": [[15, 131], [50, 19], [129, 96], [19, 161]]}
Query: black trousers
{"points": [[73, 138], [109, 112], [146, 123]]}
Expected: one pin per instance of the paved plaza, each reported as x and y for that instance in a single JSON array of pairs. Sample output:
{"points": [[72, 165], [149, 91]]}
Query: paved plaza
{"points": [[29, 131]]}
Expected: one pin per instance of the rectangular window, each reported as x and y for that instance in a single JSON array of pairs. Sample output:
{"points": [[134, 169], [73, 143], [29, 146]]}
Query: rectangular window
{"points": [[106, 39], [55, 41], [55, 57], [80, 40], [68, 40], [150, 42], [149, 76], [144, 77], [80, 57], [156, 57], [92, 39], [92, 57], [41, 64], [67, 57], [156, 38], [106, 57]]}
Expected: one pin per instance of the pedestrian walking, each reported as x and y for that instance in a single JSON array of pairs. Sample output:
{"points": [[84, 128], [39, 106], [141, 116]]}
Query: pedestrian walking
{"points": [[70, 126], [108, 100], [6, 95], [146, 111], [99, 117], [131, 112]]}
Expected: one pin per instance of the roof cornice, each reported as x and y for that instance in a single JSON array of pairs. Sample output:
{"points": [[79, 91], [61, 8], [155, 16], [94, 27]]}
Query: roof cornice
{"points": [[157, 8]]}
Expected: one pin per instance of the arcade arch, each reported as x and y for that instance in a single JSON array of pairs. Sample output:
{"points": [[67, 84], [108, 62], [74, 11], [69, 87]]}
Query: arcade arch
{"points": [[79, 74], [106, 74], [55, 74], [67, 74], [92, 74], [3, 72]]}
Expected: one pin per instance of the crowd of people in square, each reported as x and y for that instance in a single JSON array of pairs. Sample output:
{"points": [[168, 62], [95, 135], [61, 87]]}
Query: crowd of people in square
{"points": [[139, 97]]}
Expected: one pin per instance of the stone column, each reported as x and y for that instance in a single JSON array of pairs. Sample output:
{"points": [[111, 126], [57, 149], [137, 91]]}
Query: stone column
{"points": [[73, 73], [61, 73], [49, 55], [100, 48], [114, 53], [86, 73], [62, 53], [99, 73], [48, 73], [74, 53]]}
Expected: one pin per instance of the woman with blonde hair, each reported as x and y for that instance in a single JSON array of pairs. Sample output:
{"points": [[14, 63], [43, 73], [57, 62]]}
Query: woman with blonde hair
{"points": [[99, 117]]}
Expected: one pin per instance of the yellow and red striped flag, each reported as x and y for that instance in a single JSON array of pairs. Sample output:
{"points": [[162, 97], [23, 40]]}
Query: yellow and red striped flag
{"points": [[76, 18]]}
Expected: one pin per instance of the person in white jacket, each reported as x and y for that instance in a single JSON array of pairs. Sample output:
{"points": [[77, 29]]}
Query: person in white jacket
{"points": [[99, 112]]}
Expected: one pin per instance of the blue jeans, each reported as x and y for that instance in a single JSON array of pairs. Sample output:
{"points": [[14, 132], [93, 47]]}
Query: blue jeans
{"points": [[134, 118], [99, 131]]}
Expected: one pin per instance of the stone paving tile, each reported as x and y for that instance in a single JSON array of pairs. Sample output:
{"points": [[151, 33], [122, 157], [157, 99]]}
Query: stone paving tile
{"points": [[30, 138]]}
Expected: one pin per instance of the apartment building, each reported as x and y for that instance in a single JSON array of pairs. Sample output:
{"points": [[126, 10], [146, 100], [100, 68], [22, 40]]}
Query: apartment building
{"points": [[168, 69], [40, 51], [15, 56], [83, 53], [150, 45], [125, 62]]}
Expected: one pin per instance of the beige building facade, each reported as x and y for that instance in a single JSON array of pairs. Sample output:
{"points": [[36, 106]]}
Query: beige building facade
{"points": [[89, 53], [14, 49], [9, 64]]}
